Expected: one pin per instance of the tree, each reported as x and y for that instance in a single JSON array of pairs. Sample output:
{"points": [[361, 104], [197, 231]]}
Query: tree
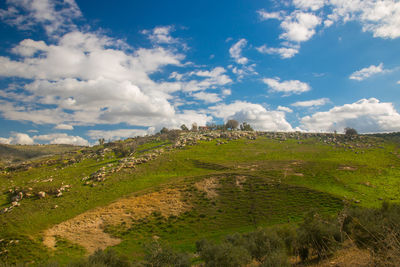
{"points": [[194, 127], [232, 124], [245, 127], [184, 128], [101, 141], [211, 126], [164, 130], [350, 131]]}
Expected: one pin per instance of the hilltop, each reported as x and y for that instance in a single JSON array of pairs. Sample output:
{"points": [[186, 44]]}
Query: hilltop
{"points": [[181, 186]]}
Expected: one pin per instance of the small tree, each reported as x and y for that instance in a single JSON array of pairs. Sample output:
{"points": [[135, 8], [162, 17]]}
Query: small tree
{"points": [[184, 128], [101, 141], [211, 126], [232, 124], [194, 127], [245, 127], [350, 131], [164, 130]]}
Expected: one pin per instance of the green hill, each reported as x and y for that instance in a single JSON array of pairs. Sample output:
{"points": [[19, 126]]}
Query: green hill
{"points": [[183, 186]]}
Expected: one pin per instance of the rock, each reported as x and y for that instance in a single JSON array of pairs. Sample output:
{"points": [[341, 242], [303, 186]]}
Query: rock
{"points": [[59, 194], [41, 194]]}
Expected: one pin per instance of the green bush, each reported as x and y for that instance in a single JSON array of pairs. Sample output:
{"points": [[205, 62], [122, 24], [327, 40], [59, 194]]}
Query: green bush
{"points": [[377, 230], [224, 254], [100, 258], [160, 255], [317, 235]]}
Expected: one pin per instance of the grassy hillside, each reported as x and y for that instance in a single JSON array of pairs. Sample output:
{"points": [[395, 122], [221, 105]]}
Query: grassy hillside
{"points": [[182, 189], [18, 153]]}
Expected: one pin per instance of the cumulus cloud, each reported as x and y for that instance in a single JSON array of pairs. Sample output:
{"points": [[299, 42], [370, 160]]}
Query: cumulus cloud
{"points": [[285, 109], [62, 138], [365, 115], [55, 16], [17, 139], [161, 35], [207, 97], [236, 51], [299, 26], [309, 4], [284, 52], [264, 15], [256, 115], [381, 18], [311, 103], [64, 127], [286, 87], [365, 73], [226, 92], [119, 133], [89, 80]]}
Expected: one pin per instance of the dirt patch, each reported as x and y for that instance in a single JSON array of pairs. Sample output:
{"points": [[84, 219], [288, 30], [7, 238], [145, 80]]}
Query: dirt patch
{"points": [[347, 168], [208, 186], [240, 180], [348, 257], [87, 229]]}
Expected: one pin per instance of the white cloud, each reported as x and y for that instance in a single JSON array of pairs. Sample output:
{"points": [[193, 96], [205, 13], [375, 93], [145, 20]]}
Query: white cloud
{"points": [[398, 82], [367, 72], [64, 127], [382, 18], [55, 16], [226, 92], [264, 15], [284, 52], [299, 26], [118, 134], [236, 51], [91, 81], [285, 109], [311, 103], [161, 35], [207, 97], [62, 138], [309, 4], [365, 115], [209, 79], [254, 114], [17, 139], [286, 87]]}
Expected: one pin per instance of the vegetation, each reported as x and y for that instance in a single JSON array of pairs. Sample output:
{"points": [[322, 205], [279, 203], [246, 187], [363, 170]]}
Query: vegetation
{"points": [[232, 124], [220, 183]]}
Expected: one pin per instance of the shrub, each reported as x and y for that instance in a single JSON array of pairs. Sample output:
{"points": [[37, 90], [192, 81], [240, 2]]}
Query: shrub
{"points": [[377, 230], [317, 235], [232, 124], [100, 258], [350, 131], [224, 254], [161, 255]]}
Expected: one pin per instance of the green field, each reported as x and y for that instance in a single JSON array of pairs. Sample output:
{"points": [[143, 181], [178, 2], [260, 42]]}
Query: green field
{"points": [[278, 182]]}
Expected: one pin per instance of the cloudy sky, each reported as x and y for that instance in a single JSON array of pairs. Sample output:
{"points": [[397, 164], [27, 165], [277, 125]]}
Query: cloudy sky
{"points": [[76, 71]]}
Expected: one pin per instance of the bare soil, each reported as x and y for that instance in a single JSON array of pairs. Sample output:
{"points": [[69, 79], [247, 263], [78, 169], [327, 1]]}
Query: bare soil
{"points": [[87, 229]]}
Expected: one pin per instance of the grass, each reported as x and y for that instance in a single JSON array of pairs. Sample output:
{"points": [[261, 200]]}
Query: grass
{"points": [[274, 191]]}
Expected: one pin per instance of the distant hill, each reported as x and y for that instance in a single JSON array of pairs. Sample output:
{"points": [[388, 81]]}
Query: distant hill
{"points": [[16, 153]]}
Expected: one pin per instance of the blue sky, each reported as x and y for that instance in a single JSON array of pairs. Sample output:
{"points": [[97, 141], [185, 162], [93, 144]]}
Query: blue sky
{"points": [[75, 71]]}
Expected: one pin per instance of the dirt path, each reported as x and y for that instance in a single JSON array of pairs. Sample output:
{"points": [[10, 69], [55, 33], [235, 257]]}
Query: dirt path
{"points": [[87, 229]]}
